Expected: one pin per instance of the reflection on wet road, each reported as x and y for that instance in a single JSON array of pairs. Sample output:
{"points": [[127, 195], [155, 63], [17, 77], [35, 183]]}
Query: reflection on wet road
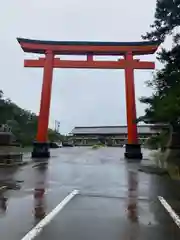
{"points": [[132, 199], [39, 191], [115, 200]]}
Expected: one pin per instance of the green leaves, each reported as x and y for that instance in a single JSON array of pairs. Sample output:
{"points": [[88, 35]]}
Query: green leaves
{"points": [[167, 18], [23, 123], [164, 105]]}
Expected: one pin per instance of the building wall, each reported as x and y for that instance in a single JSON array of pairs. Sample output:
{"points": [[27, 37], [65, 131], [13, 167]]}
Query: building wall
{"points": [[115, 140]]}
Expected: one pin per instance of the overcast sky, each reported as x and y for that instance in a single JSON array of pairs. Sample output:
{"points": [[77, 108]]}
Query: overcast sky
{"points": [[79, 97]]}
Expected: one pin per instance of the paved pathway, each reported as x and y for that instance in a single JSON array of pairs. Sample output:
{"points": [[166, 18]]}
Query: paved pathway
{"points": [[114, 200]]}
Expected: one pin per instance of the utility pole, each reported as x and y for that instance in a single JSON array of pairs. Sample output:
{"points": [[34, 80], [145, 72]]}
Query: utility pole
{"points": [[57, 126]]}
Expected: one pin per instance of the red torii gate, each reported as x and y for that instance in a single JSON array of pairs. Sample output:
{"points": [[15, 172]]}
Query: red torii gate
{"points": [[52, 48]]}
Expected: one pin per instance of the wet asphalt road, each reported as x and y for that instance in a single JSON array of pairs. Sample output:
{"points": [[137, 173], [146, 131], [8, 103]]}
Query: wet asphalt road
{"points": [[115, 200]]}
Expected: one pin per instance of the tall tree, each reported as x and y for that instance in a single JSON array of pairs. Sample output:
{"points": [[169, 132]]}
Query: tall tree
{"points": [[164, 104]]}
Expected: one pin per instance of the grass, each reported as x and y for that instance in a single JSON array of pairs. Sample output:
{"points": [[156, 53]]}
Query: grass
{"points": [[97, 146], [158, 158]]}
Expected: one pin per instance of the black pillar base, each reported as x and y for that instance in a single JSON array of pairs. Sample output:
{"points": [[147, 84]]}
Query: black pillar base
{"points": [[40, 150], [133, 151]]}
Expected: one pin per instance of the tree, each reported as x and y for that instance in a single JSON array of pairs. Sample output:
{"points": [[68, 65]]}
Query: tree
{"points": [[167, 18], [54, 136], [164, 104], [23, 123]]}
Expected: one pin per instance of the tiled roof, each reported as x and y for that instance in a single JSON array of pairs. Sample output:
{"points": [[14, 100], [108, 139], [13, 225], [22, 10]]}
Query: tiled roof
{"points": [[143, 129]]}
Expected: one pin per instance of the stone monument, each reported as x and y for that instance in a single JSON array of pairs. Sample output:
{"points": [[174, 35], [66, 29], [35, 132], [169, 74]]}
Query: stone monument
{"points": [[10, 151]]}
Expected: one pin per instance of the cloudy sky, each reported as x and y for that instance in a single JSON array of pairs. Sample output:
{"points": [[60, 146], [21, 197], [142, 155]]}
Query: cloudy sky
{"points": [[79, 97]]}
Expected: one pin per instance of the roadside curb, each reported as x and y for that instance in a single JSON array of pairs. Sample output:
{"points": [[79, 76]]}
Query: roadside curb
{"points": [[24, 163], [153, 170]]}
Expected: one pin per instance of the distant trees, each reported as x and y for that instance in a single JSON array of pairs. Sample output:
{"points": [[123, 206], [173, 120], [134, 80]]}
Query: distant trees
{"points": [[23, 123]]}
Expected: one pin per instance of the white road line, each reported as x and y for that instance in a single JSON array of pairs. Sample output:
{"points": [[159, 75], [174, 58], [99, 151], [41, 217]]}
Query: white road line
{"points": [[171, 212], [38, 228]]}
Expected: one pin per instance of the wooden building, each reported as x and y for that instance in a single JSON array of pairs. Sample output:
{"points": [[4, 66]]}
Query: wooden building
{"points": [[109, 135]]}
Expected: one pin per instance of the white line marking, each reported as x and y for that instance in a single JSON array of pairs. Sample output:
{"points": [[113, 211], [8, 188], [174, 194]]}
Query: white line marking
{"points": [[39, 227], [171, 212]]}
